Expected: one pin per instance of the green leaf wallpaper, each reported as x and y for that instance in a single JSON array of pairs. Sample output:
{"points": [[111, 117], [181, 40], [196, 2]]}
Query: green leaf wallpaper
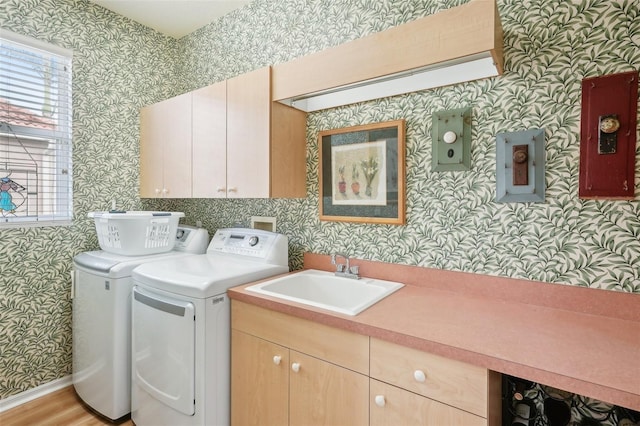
{"points": [[118, 67], [453, 221]]}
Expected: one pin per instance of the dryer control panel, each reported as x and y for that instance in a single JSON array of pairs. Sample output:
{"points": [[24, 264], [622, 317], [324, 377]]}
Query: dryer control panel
{"points": [[256, 243], [190, 239]]}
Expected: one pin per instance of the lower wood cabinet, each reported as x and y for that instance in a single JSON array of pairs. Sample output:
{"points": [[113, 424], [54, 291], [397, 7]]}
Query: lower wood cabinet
{"points": [[290, 371], [260, 381], [321, 393], [412, 387]]}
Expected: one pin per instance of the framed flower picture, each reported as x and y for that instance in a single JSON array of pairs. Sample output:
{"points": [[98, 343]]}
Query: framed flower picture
{"points": [[362, 173]]}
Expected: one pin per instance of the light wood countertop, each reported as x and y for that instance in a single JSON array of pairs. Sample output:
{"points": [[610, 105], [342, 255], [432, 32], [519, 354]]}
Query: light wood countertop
{"points": [[582, 340]]}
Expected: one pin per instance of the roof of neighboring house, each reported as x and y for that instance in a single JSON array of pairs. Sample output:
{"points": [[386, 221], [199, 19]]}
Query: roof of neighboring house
{"points": [[18, 116]]}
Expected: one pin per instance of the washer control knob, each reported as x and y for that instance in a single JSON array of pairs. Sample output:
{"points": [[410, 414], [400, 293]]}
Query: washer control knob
{"points": [[253, 241]]}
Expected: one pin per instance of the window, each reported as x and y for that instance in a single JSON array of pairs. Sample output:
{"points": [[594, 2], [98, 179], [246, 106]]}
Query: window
{"points": [[35, 132]]}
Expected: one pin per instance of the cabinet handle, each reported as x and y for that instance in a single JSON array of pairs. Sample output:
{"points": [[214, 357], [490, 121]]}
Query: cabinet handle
{"points": [[419, 376], [380, 401], [221, 189], [157, 191], [232, 189], [165, 191], [277, 359], [295, 367]]}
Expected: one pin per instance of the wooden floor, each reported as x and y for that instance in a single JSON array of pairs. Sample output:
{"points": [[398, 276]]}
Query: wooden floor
{"points": [[60, 408]]}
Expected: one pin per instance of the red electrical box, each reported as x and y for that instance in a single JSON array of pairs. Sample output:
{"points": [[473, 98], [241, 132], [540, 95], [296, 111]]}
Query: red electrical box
{"points": [[608, 136]]}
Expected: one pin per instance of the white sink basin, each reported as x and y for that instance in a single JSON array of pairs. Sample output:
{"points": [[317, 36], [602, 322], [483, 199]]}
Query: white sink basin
{"points": [[325, 290]]}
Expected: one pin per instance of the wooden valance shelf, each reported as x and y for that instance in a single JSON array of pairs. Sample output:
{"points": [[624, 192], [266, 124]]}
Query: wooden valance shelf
{"points": [[452, 36]]}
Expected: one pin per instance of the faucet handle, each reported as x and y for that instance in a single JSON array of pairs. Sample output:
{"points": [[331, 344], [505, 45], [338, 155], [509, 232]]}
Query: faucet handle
{"points": [[340, 267], [355, 269]]}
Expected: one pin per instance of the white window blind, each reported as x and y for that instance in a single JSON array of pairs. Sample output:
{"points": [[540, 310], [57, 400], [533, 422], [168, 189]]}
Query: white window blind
{"points": [[35, 132]]}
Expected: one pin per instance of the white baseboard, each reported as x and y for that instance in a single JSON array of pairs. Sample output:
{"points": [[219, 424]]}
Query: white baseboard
{"points": [[31, 394]]}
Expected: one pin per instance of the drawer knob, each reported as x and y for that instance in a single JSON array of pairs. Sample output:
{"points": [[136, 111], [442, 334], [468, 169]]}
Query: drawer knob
{"points": [[277, 359], [295, 367], [380, 400], [419, 376]]}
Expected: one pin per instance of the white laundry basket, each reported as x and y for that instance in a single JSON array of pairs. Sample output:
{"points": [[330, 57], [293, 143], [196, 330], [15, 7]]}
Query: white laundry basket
{"points": [[136, 233]]}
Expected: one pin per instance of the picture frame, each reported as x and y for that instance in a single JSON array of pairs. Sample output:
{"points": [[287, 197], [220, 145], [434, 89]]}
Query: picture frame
{"points": [[362, 173]]}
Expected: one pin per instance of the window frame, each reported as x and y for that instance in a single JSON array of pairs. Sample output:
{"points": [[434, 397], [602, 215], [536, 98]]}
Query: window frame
{"points": [[61, 136]]}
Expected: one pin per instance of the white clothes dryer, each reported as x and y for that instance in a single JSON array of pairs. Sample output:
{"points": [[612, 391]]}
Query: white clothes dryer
{"points": [[181, 327], [101, 327]]}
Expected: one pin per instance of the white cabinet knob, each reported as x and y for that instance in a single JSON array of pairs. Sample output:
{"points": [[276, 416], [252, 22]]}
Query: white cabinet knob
{"points": [[295, 367], [450, 137], [165, 191], [157, 191], [379, 399], [232, 189], [277, 359], [419, 376]]}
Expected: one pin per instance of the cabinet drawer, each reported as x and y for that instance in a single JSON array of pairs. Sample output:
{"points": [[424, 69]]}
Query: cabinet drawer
{"points": [[451, 382], [337, 346], [400, 407]]}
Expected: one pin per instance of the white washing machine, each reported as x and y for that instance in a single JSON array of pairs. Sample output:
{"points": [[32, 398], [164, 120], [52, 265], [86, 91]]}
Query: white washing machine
{"points": [[181, 327], [102, 321]]}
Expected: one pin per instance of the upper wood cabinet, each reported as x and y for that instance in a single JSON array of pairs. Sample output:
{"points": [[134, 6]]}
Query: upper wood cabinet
{"points": [[266, 141], [209, 141], [224, 140], [165, 148], [183, 145]]}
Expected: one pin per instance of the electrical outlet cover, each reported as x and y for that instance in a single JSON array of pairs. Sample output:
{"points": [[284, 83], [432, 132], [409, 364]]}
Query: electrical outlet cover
{"points": [[449, 152], [506, 191]]}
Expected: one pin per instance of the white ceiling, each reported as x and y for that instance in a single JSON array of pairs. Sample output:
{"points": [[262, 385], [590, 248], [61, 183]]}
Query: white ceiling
{"points": [[175, 18]]}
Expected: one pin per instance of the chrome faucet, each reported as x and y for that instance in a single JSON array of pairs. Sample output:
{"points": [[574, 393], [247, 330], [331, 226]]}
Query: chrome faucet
{"points": [[345, 269]]}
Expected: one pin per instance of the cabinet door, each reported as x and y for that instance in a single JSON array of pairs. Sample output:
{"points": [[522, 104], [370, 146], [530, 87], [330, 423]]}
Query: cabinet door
{"points": [[209, 141], [259, 382], [248, 134], [165, 148], [321, 393], [177, 148], [391, 406], [151, 149]]}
